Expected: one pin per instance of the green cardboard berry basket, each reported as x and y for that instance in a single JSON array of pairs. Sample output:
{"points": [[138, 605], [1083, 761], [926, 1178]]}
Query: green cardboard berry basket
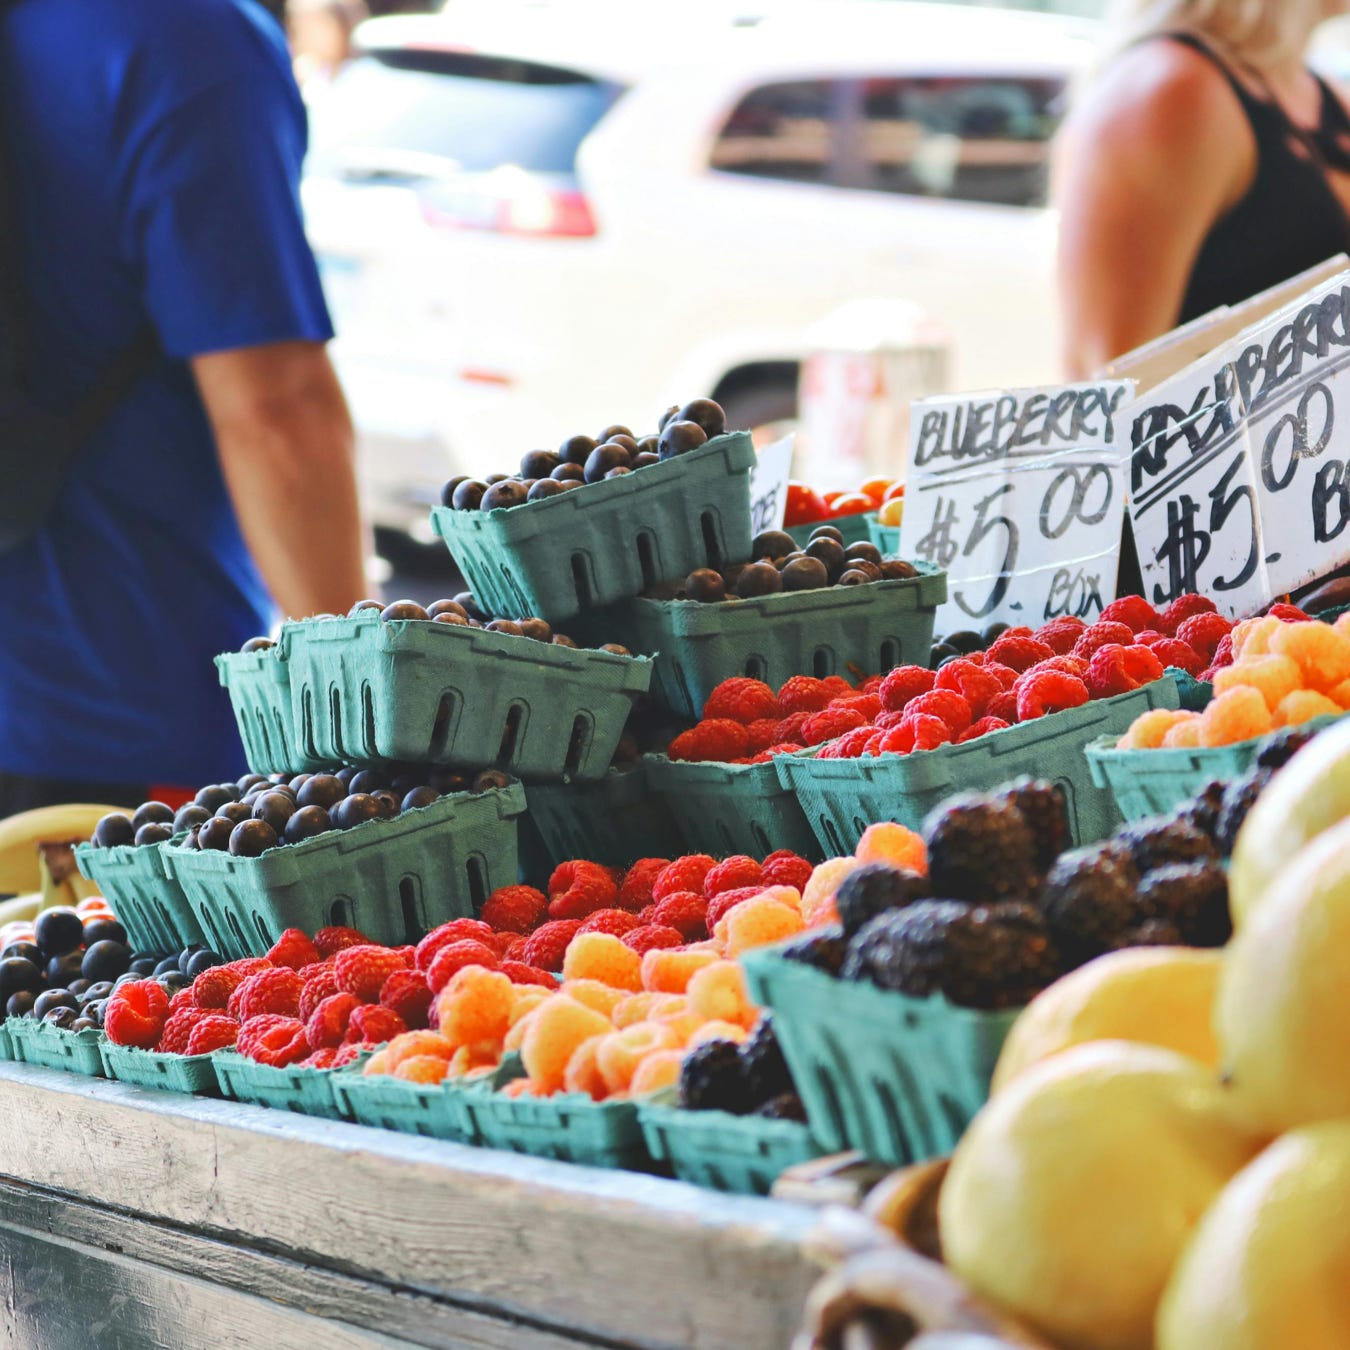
{"points": [[7, 1050], [570, 1127], [605, 541], [714, 1149], [723, 809], [856, 528], [37, 1042], [838, 630], [148, 901], [411, 691], [885, 537], [309, 1092], [898, 1078], [435, 1110], [260, 693], [842, 797], [393, 880], [151, 1069]]}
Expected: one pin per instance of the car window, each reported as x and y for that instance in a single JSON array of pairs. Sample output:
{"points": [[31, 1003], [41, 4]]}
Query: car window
{"points": [[969, 139], [781, 131], [454, 111]]}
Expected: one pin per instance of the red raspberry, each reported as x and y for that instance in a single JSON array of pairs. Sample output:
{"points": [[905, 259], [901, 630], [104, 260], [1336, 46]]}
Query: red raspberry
{"points": [[349, 1051], [454, 958], [942, 703], [974, 683], [685, 912], [905, 683], [173, 1040], [272, 1039], [328, 1023], [1223, 653], [1102, 635], [871, 685], [727, 901], [1148, 637], [1287, 613], [772, 753], [319, 1059], [1113, 670], [838, 686], [710, 742], [1018, 652], [854, 745], [825, 726], [182, 999], [270, 991], [874, 745], [1182, 608], [741, 700], [803, 694], [363, 970], [1060, 635], [785, 868], [1005, 675], [577, 889], [737, 870], [763, 734], [789, 730], [320, 985], [371, 1022], [1070, 665], [636, 890], [293, 949], [982, 728], [1003, 706], [330, 941], [1203, 632], [515, 909], [407, 993], [1050, 691], [652, 935], [212, 988], [547, 945], [457, 930], [684, 874], [1172, 652], [1143, 665], [615, 922], [867, 704], [1133, 611], [213, 1032], [919, 731], [519, 973]]}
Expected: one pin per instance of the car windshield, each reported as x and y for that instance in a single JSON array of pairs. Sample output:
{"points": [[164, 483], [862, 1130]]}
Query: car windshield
{"points": [[422, 113]]}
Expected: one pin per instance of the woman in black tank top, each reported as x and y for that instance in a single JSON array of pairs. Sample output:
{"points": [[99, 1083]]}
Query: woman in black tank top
{"points": [[1206, 164]]}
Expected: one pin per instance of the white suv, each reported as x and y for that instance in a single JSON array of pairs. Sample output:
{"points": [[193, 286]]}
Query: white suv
{"points": [[536, 219]]}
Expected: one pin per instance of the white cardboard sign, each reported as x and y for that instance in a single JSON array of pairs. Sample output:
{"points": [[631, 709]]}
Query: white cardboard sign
{"points": [[768, 486], [1020, 497]]}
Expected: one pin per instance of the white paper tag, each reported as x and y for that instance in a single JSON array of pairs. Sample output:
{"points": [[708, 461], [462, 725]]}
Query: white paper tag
{"points": [[769, 485]]}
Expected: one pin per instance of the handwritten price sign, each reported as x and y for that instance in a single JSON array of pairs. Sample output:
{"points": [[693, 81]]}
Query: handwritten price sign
{"points": [[1020, 498], [1240, 481]]}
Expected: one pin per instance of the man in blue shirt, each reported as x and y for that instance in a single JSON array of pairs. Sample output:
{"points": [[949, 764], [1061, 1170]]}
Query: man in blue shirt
{"points": [[155, 151]]}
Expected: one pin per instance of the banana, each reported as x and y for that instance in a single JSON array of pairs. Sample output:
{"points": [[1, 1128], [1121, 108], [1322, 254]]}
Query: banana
{"points": [[21, 907], [20, 836]]}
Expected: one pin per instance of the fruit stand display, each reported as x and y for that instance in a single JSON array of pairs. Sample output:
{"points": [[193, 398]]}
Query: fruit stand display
{"points": [[561, 922]]}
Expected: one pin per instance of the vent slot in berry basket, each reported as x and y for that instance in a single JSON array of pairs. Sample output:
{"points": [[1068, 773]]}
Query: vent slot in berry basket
{"points": [[648, 559], [583, 730], [713, 543]]}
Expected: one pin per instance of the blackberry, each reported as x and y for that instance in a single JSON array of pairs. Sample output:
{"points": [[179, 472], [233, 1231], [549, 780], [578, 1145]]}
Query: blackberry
{"points": [[1165, 839], [1203, 809], [1193, 897], [1238, 799], [787, 1106], [1045, 809], [823, 949], [1089, 899], [766, 1072], [874, 889], [1278, 749], [1152, 933], [712, 1078], [979, 850], [978, 956]]}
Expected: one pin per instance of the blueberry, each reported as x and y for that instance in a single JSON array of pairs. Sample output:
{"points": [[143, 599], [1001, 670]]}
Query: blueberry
{"points": [[105, 960], [114, 830], [58, 930]]}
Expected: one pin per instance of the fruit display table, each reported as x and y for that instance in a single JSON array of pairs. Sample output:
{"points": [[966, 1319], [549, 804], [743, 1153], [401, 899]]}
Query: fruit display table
{"points": [[130, 1217]]}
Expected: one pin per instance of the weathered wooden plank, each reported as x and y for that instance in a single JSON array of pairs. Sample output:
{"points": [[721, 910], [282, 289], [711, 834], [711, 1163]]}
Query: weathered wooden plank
{"points": [[614, 1256]]}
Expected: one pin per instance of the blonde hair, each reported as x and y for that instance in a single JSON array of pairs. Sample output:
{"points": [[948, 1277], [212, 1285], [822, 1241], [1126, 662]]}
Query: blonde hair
{"points": [[1262, 32]]}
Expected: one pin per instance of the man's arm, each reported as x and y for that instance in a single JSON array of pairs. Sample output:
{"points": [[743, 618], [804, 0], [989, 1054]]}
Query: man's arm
{"points": [[286, 450]]}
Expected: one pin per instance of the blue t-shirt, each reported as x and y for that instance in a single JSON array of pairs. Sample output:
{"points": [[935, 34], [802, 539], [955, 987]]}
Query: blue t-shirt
{"points": [[156, 148]]}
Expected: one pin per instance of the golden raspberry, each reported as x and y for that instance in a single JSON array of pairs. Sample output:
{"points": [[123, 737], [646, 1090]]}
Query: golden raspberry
{"points": [[475, 1006], [603, 957], [556, 1029], [1237, 715], [668, 970], [618, 1054], [718, 993], [422, 1069], [660, 1069], [1273, 676]]}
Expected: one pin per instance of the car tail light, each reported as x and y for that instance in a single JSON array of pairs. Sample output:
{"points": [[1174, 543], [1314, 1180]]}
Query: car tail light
{"points": [[511, 203]]}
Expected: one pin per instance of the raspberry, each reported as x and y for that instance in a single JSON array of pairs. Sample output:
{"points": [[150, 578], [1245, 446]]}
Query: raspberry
{"points": [[803, 694], [950, 708], [686, 912], [974, 683], [741, 700], [293, 949], [1223, 653], [903, 684], [919, 731], [854, 745], [721, 904], [1107, 674], [349, 1051], [173, 1040], [604, 958], [270, 1038], [982, 728], [455, 957], [1203, 631], [501, 943], [825, 726], [758, 923], [784, 868], [1142, 665], [652, 935], [319, 1059], [871, 685], [1102, 635], [274, 991], [1018, 652], [546, 946], [182, 999], [514, 909], [1235, 715], [1070, 665], [588, 887], [330, 941], [363, 970], [867, 704], [731, 873], [1299, 707], [1182, 608], [1049, 692], [767, 756], [615, 922], [557, 1030], [213, 1032], [1182, 655], [684, 874], [1273, 677], [762, 734], [457, 930], [667, 971], [718, 993], [371, 1022], [1003, 707], [1060, 634], [789, 730], [1287, 613], [327, 1025], [319, 985], [1320, 651], [212, 988], [1148, 729], [1005, 675], [710, 742], [1133, 611], [636, 890], [519, 973]]}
